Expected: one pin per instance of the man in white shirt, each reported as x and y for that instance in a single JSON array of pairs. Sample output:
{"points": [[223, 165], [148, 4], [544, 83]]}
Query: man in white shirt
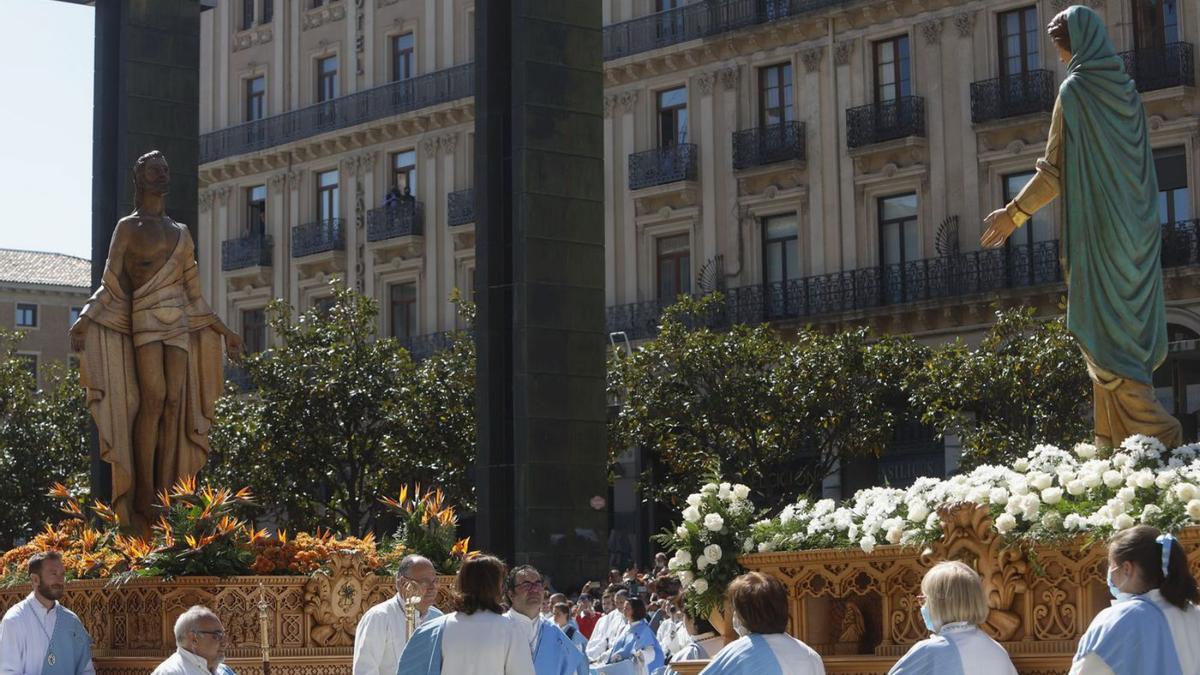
{"points": [[382, 631], [38, 636], [552, 652], [199, 645], [609, 627]]}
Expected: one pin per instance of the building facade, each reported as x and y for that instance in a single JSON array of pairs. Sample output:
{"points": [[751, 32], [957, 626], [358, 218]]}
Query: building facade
{"points": [[822, 162], [41, 295]]}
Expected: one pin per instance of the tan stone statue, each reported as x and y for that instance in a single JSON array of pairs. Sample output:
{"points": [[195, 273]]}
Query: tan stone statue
{"points": [[151, 351]]}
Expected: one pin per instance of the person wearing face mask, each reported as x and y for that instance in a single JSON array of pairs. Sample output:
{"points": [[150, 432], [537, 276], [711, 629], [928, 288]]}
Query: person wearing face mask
{"points": [[760, 617], [637, 643], [954, 606], [1155, 600]]}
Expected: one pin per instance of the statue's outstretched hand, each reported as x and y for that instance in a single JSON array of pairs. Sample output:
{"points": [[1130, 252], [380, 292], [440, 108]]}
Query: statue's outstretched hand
{"points": [[233, 345], [79, 333], [999, 226]]}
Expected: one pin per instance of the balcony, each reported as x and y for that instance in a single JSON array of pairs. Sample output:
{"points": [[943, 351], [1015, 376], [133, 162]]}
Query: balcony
{"points": [[930, 279], [887, 121], [406, 219], [379, 102], [319, 237], [661, 166], [1169, 65], [460, 207], [768, 145], [699, 20], [252, 251], [1012, 96]]}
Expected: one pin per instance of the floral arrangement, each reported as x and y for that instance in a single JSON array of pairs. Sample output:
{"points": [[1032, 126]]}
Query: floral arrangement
{"points": [[428, 527], [307, 553], [707, 542]]}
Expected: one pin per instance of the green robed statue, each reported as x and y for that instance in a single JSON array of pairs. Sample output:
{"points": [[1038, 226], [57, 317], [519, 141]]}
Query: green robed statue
{"points": [[1098, 158]]}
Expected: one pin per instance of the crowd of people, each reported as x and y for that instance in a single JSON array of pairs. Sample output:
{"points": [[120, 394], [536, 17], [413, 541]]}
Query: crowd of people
{"points": [[509, 622]]}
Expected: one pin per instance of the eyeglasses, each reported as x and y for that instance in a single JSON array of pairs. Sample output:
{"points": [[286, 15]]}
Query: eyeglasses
{"points": [[427, 584], [529, 585], [218, 635]]}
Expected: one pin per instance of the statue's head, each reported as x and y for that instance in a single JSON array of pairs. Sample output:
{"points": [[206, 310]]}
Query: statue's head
{"points": [[151, 175], [1080, 35]]}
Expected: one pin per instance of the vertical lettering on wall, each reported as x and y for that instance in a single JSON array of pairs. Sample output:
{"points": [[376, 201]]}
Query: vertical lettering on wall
{"points": [[360, 217], [359, 38]]}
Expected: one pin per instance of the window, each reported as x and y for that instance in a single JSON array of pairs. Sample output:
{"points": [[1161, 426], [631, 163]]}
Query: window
{"points": [[402, 302], [674, 267], [256, 95], [781, 249], [669, 25], [404, 171], [1019, 35], [1174, 199], [327, 196], [254, 330], [775, 94], [268, 11], [898, 237], [402, 57], [1155, 23], [27, 315], [247, 14], [672, 117], [327, 78], [892, 78], [313, 4], [74, 315], [256, 211], [1039, 228]]}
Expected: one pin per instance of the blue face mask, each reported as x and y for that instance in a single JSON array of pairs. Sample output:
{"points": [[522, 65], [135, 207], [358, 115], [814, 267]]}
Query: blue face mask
{"points": [[928, 617], [1117, 593]]}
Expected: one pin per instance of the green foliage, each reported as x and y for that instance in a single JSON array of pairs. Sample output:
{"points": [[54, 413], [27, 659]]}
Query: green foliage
{"points": [[339, 417], [428, 528], [1026, 384], [43, 440]]}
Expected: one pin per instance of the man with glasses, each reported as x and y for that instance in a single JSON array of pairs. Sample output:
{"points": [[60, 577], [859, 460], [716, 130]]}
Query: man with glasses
{"points": [[553, 652], [199, 645], [383, 630]]}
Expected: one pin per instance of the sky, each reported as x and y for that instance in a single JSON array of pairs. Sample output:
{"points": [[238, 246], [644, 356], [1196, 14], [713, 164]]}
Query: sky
{"points": [[46, 126]]}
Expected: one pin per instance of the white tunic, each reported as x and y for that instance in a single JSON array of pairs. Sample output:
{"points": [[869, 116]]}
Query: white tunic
{"points": [[484, 643], [380, 637], [607, 630], [531, 630], [183, 662], [1185, 631], [25, 636], [980, 654], [794, 657]]}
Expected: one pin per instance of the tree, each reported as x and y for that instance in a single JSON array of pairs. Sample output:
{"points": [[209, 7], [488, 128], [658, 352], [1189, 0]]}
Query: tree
{"points": [[43, 440], [1025, 384], [340, 418], [753, 407]]}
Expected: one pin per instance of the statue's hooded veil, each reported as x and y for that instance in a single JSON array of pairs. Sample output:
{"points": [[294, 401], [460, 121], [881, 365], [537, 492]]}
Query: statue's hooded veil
{"points": [[1111, 241]]}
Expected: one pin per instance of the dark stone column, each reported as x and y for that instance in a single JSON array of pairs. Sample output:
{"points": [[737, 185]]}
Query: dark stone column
{"points": [[540, 265], [146, 97]]}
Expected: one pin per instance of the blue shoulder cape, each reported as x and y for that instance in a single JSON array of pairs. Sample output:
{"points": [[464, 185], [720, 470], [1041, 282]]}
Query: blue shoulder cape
{"points": [[636, 638], [1132, 637], [556, 654], [745, 656], [423, 653]]}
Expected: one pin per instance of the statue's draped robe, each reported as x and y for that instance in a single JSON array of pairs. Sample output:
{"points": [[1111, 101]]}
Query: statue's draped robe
{"points": [[169, 309], [1099, 158]]}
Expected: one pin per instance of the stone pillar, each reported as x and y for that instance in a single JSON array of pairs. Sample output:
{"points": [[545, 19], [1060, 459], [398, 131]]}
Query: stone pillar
{"points": [[539, 180], [628, 215], [146, 98]]}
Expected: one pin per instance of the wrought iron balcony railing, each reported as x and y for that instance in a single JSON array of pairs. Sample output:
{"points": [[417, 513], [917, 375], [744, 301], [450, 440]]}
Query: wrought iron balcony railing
{"points": [[767, 145], [318, 237], [663, 165], [404, 219], [1012, 96], [886, 121], [249, 251], [965, 274], [1169, 65], [389, 99], [460, 207]]}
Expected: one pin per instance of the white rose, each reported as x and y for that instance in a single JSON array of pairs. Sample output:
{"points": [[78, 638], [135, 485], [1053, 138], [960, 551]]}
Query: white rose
{"points": [[741, 492], [709, 488], [998, 496], [1113, 478], [694, 499], [1092, 479], [1076, 487], [725, 491], [713, 553], [1052, 495], [1074, 522], [867, 544], [766, 547], [1164, 479], [1126, 494], [917, 511], [700, 586], [1186, 492], [701, 563], [852, 532], [748, 545], [1193, 510], [1021, 465], [1085, 450], [684, 557], [1145, 479], [1040, 481], [691, 514], [1123, 522], [895, 534], [1150, 512], [1005, 523], [714, 522]]}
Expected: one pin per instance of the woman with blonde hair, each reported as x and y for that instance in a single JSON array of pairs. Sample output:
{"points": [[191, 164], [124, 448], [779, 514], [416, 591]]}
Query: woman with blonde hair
{"points": [[953, 606]]}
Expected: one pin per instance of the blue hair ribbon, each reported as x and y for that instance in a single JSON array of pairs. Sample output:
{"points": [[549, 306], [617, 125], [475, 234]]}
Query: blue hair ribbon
{"points": [[1166, 540]]}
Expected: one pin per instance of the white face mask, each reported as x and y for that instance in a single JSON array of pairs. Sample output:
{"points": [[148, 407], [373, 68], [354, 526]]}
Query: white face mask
{"points": [[739, 627]]}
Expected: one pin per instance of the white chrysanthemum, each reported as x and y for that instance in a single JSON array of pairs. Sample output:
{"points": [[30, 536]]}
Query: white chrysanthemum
{"points": [[741, 492], [1127, 494], [1005, 523], [1092, 479], [917, 511], [787, 515], [1113, 478], [998, 496], [1185, 492], [1052, 495], [1151, 512], [1123, 522], [1165, 479], [1073, 521], [1144, 479], [765, 547], [713, 553], [1052, 520], [867, 544], [895, 534], [1040, 481], [713, 522], [700, 586], [1193, 510], [932, 521], [694, 499], [692, 514]]}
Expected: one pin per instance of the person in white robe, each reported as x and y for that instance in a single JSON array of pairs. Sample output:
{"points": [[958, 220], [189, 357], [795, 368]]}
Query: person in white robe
{"points": [[553, 653], [1153, 625], [475, 640], [383, 629], [760, 616], [38, 635], [609, 628], [199, 645], [562, 619], [954, 607]]}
